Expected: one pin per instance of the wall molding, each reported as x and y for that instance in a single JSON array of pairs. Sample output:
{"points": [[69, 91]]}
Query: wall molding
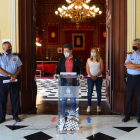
{"points": [[14, 26], [131, 23]]}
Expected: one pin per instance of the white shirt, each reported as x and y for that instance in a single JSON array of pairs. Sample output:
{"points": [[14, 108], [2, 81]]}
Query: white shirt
{"points": [[94, 67]]}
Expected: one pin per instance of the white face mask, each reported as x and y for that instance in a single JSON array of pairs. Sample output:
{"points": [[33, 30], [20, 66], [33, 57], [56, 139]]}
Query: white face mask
{"points": [[66, 54]]}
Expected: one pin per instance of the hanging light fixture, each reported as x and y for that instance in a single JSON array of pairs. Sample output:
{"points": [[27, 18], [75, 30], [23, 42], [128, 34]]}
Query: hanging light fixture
{"points": [[78, 10]]}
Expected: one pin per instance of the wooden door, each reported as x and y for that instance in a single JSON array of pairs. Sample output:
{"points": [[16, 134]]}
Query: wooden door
{"points": [[27, 53], [116, 35], [109, 52]]}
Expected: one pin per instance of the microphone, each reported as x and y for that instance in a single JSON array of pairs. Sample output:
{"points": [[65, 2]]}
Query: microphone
{"points": [[74, 60]]}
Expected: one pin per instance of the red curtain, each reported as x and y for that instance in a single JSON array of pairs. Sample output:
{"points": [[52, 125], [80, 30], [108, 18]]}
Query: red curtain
{"points": [[53, 34], [102, 33], [38, 52]]}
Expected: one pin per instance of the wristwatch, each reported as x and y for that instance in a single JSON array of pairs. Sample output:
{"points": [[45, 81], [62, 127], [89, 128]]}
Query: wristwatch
{"points": [[96, 76], [10, 75]]}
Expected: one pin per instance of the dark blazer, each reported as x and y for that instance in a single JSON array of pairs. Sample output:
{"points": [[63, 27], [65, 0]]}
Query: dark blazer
{"points": [[77, 65]]}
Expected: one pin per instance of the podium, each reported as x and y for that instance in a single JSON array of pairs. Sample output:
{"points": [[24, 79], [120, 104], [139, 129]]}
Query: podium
{"points": [[68, 104]]}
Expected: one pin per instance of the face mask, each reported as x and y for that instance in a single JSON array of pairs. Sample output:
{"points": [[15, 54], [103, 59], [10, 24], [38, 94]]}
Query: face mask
{"points": [[9, 51], [93, 54], [66, 54], [135, 48]]}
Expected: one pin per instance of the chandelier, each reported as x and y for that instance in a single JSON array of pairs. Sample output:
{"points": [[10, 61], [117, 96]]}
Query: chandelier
{"points": [[78, 10]]}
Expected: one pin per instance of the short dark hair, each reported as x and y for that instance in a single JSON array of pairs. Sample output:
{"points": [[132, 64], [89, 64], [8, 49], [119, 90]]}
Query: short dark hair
{"points": [[69, 46], [6, 42]]}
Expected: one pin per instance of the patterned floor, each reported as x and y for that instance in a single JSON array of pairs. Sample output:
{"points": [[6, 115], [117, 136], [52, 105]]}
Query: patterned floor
{"points": [[47, 90], [41, 127], [93, 127]]}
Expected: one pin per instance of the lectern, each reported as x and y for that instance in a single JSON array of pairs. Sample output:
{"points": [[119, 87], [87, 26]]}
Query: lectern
{"points": [[68, 103]]}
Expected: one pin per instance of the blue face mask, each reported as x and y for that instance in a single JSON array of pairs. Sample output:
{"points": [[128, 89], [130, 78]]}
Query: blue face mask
{"points": [[93, 54]]}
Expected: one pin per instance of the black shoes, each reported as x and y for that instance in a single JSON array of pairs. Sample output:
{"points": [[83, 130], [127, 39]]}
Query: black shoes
{"points": [[17, 119], [125, 119], [138, 119], [2, 120]]}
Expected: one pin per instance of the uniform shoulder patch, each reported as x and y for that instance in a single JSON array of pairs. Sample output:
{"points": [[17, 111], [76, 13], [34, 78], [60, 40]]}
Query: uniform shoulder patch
{"points": [[14, 59]]}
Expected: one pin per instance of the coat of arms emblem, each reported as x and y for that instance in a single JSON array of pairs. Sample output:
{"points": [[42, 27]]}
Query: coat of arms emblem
{"points": [[68, 90]]}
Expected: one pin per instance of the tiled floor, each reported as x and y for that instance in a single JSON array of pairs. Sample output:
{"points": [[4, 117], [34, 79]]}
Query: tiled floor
{"points": [[47, 97], [47, 90], [51, 107], [40, 127], [102, 126]]}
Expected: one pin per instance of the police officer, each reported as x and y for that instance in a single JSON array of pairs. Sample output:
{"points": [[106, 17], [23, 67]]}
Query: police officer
{"points": [[10, 67], [133, 81]]}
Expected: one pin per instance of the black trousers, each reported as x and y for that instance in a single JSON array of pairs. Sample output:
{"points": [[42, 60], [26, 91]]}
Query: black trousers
{"points": [[14, 95], [132, 83]]}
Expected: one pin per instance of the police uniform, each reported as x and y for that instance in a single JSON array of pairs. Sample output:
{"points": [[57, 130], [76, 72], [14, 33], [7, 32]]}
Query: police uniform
{"points": [[133, 81], [10, 64]]}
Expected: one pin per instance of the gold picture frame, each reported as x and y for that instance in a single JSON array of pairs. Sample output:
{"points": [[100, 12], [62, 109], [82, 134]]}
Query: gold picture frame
{"points": [[59, 50], [78, 41]]}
